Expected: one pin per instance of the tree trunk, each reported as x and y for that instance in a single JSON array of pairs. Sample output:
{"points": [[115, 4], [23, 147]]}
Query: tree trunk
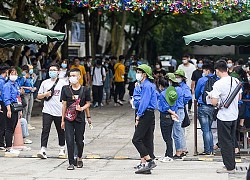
{"points": [[86, 22], [121, 35], [93, 32], [113, 34]]}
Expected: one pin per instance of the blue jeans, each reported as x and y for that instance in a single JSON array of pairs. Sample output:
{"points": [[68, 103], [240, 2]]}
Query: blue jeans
{"points": [[205, 116], [178, 133], [24, 126]]}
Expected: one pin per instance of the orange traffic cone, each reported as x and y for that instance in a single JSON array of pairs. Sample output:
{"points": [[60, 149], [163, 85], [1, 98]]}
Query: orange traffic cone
{"points": [[18, 137]]}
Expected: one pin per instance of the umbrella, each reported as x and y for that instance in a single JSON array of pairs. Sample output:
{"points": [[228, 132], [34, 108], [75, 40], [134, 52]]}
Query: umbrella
{"points": [[230, 34], [15, 33]]}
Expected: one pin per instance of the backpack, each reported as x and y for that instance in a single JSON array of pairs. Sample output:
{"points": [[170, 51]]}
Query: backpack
{"points": [[208, 87], [93, 73]]}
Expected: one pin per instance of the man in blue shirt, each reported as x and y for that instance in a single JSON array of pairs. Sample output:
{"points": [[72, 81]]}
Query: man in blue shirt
{"points": [[205, 111], [3, 76], [145, 101]]}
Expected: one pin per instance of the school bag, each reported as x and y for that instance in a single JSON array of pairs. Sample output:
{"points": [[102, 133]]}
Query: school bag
{"points": [[208, 87]]}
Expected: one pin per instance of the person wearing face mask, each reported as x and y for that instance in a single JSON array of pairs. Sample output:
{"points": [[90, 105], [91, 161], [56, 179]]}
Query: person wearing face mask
{"points": [[197, 74], [98, 76], [50, 91], [75, 128], [187, 96], [77, 65], [178, 132], [158, 72], [4, 75], [167, 107], [145, 102], [11, 95], [188, 69], [205, 110], [27, 83], [230, 65], [63, 71]]}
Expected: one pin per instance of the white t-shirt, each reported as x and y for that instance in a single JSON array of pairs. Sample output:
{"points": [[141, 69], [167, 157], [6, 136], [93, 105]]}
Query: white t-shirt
{"points": [[188, 72], [98, 75], [220, 91], [53, 106]]}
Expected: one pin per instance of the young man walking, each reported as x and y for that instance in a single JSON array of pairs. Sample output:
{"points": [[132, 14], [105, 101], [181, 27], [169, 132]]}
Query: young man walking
{"points": [[77, 97], [50, 91], [226, 117], [119, 80], [145, 102]]}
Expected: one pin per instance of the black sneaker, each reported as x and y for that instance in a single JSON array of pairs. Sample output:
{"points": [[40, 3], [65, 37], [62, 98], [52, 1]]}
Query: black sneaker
{"points": [[177, 157], [71, 167], [146, 167], [151, 165], [79, 164]]}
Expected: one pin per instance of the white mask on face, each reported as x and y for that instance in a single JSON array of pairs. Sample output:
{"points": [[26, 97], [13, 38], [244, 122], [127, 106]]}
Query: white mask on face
{"points": [[13, 78], [73, 80], [179, 80], [185, 61], [138, 76], [157, 66]]}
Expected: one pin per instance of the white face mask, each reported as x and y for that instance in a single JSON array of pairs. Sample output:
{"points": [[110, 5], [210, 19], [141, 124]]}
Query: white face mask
{"points": [[138, 76], [73, 80], [13, 78], [157, 66], [185, 61], [248, 79], [179, 80]]}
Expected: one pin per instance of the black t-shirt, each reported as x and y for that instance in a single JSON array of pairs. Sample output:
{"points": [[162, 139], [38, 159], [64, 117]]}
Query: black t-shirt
{"points": [[68, 97], [162, 71], [197, 74], [87, 69]]}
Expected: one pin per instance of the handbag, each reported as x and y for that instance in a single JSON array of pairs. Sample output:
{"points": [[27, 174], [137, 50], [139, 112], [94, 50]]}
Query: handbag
{"points": [[71, 112], [186, 120], [24, 103], [16, 107]]}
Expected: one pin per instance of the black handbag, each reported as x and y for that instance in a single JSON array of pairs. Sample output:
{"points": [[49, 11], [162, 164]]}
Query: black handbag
{"points": [[16, 107], [186, 120], [52, 90], [24, 103]]}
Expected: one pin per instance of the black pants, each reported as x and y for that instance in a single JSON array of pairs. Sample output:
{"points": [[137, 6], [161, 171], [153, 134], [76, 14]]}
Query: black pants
{"points": [[119, 90], [2, 124], [97, 93], [143, 138], [74, 132], [47, 121], [131, 88], [226, 140], [166, 124], [10, 127]]}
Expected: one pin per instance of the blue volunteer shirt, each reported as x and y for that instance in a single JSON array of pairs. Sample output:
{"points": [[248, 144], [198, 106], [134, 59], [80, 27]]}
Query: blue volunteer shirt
{"points": [[163, 105], [23, 82], [2, 82], [199, 89], [180, 100], [10, 92], [187, 96], [145, 97]]}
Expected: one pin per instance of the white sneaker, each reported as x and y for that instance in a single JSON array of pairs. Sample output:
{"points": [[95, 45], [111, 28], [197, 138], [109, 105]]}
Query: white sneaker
{"points": [[31, 127], [115, 104], [166, 159], [120, 102], [101, 104], [2, 149], [27, 141], [62, 151], [12, 152], [42, 154]]}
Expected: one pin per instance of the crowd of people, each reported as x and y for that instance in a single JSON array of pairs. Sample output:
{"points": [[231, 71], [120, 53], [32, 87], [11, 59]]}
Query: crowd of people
{"points": [[66, 88]]}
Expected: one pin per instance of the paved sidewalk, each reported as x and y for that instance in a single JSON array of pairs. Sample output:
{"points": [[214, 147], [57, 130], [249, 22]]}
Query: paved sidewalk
{"points": [[110, 153]]}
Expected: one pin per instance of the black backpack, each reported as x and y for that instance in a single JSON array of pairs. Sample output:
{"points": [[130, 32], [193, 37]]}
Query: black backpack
{"points": [[208, 87]]}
